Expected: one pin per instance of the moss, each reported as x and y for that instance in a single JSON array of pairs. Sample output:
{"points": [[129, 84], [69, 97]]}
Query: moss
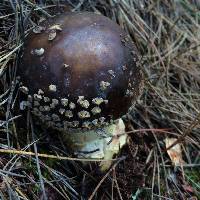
{"points": [[192, 176]]}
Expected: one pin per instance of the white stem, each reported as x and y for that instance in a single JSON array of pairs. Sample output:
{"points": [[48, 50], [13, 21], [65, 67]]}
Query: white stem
{"points": [[102, 143]]}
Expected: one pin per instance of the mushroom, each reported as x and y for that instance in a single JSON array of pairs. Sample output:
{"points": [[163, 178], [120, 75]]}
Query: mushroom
{"points": [[82, 74]]}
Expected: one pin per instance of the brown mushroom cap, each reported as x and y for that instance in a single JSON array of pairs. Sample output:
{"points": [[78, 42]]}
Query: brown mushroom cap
{"points": [[81, 70]]}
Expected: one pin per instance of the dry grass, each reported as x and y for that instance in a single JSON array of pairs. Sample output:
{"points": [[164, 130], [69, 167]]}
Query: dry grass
{"points": [[167, 34]]}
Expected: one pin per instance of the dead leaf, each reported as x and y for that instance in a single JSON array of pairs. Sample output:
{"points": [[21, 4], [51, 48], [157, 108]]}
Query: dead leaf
{"points": [[56, 27], [175, 152], [188, 188], [52, 35]]}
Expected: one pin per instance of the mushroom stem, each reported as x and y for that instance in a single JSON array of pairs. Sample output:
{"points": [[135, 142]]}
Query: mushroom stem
{"points": [[102, 143]]}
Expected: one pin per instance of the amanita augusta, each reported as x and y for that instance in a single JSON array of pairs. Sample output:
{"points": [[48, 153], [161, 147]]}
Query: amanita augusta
{"points": [[81, 74]]}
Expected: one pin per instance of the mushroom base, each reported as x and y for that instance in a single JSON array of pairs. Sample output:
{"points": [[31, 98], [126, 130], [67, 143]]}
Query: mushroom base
{"points": [[102, 143]]}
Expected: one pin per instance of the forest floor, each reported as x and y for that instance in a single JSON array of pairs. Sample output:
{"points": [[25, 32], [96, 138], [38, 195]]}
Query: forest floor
{"points": [[162, 158]]}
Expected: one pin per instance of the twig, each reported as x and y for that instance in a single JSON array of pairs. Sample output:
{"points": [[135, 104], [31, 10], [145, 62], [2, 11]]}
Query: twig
{"points": [[37, 161], [102, 180], [29, 153], [187, 132]]}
